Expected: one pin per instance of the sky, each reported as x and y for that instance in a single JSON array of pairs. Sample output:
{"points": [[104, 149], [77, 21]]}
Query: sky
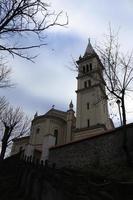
{"points": [[49, 81]]}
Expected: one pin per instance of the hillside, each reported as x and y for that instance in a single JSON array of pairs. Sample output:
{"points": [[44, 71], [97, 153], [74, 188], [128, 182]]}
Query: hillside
{"points": [[24, 180]]}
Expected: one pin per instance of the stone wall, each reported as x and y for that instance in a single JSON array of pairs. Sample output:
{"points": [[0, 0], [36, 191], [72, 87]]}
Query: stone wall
{"points": [[104, 151], [29, 179]]}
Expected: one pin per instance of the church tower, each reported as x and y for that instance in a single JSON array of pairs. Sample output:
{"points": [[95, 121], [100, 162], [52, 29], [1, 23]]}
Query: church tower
{"points": [[92, 109]]}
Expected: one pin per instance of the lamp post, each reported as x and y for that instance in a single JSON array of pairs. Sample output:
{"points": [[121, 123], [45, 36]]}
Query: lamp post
{"points": [[118, 103]]}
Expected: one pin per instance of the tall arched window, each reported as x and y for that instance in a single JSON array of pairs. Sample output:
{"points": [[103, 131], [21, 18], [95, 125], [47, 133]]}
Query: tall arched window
{"points": [[89, 83], [90, 66], [38, 130], [56, 135], [88, 123], [83, 69], [87, 67]]}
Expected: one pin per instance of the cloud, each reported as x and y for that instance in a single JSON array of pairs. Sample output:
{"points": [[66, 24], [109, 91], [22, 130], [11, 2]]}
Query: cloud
{"points": [[31, 103], [49, 81], [91, 18]]}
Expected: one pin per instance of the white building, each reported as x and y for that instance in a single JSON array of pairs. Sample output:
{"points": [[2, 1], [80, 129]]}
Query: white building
{"points": [[58, 127]]}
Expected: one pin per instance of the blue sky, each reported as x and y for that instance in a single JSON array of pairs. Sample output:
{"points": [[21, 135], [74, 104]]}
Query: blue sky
{"points": [[50, 81]]}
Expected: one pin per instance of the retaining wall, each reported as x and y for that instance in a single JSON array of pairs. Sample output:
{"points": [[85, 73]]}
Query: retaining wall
{"points": [[103, 151]]}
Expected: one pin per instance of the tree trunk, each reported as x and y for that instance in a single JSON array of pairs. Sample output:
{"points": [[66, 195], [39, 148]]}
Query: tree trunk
{"points": [[124, 122], [4, 143], [123, 109], [125, 140], [3, 151]]}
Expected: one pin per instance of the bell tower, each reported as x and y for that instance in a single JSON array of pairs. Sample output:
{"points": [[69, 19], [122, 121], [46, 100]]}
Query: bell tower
{"points": [[92, 109]]}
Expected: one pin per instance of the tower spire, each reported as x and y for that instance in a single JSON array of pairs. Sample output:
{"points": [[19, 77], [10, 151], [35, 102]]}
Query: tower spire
{"points": [[89, 50], [36, 115], [71, 105]]}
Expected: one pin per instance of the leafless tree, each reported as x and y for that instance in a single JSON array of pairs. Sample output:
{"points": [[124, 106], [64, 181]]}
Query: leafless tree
{"points": [[5, 73], [14, 124], [21, 20], [116, 74], [118, 71], [117, 77], [3, 104]]}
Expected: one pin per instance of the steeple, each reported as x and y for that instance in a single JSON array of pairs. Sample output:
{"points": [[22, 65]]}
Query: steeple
{"points": [[89, 50], [70, 122], [71, 105], [91, 102], [36, 115]]}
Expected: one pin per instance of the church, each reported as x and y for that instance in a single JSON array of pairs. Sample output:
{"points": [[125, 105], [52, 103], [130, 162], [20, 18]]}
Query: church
{"points": [[56, 127]]}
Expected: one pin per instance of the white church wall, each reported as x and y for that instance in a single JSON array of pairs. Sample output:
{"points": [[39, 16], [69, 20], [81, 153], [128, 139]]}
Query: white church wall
{"points": [[94, 113], [60, 127], [47, 126], [48, 141], [39, 130]]}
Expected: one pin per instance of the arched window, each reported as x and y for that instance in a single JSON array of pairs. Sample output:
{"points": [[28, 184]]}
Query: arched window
{"points": [[20, 149], [88, 106], [83, 69], [38, 130], [90, 66], [56, 135], [88, 123], [89, 83], [85, 84], [87, 67]]}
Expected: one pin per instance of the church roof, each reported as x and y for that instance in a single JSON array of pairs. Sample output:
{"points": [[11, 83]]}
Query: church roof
{"points": [[21, 138], [53, 113], [89, 50]]}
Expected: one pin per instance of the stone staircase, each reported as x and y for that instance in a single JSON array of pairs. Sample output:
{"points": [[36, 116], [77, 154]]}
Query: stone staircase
{"points": [[24, 180]]}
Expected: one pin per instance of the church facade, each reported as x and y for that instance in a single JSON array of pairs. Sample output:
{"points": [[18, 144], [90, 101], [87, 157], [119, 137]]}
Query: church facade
{"points": [[57, 127]]}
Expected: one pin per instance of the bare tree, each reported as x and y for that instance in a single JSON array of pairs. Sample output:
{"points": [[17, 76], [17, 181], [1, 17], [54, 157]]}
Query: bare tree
{"points": [[3, 104], [21, 20], [118, 71], [14, 124], [117, 77], [116, 74], [5, 73]]}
